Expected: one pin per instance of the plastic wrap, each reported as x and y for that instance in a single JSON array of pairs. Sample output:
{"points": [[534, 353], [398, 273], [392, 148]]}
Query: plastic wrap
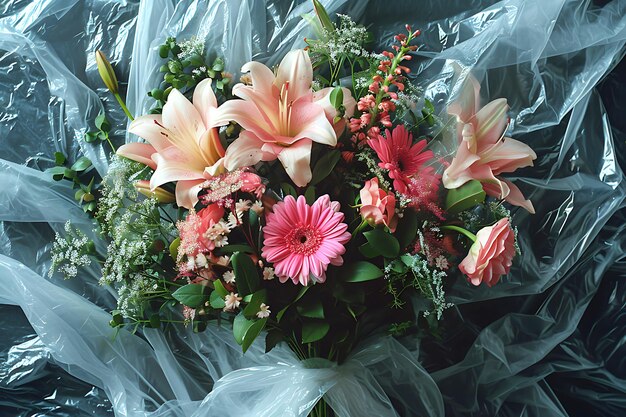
{"points": [[547, 341]]}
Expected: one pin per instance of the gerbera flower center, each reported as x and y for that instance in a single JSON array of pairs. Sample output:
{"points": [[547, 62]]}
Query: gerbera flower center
{"points": [[303, 240]]}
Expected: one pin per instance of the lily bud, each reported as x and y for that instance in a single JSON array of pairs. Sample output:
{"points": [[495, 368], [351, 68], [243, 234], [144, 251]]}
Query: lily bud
{"points": [[159, 193], [106, 72]]}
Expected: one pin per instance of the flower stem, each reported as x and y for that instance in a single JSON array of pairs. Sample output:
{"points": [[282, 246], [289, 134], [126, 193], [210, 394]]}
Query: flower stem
{"points": [[123, 106], [464, 232], [359, 228]]}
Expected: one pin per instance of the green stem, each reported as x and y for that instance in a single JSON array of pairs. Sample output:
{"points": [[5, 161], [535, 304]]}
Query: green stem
{"points": [[464, 232], [123, 105], [110, 143], [359, 228]]}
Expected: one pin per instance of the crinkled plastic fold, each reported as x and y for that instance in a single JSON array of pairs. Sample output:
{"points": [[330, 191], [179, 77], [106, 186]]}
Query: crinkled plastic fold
{"points": [[547, 341]]}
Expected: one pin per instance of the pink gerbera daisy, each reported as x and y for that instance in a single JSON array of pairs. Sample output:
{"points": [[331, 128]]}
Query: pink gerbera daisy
{"points": [[301, 240], [398, 155]]}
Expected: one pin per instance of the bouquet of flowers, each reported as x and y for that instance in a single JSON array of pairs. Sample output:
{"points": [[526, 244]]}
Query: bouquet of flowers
{"points": [[317, 204]]}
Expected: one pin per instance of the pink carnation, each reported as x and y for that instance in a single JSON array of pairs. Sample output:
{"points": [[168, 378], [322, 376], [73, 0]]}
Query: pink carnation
{"points": [[302, 240]]}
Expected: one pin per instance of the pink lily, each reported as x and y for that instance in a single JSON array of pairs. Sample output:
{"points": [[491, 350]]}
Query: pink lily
{"points": [[281, 117], [184, 146], [484, 152]]}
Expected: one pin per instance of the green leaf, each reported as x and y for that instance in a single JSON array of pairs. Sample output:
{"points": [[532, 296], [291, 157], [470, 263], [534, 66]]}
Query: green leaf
{"points": [[246, 273], [465, 197], [69, 173], [336, 97], [78, 196], [311, 307], [174, 248], [383, 242], [81, 164], [252, 333], [368, 251], [301, 293], [216, 300], [57, 173], [192, 295], [254, 305], [91, 137], [240, 327], [360, 272], [220, 289], [218, 65], [273, 338], [288, 189], [324, 166], [233, 248], [322, 15], [314, 330], [102, 123], [164, 51], [59, 158], [309, 195], [407, 228]]}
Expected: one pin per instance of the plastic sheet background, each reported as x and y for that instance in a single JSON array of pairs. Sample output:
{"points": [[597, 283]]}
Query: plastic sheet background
{"points": [[547, 341]]}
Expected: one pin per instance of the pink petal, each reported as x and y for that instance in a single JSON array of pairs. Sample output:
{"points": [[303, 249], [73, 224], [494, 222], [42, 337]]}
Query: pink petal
{"points": [[170, 171], [140, 152], [247, 115], [244, 151], [187, 192], [295, 69], [297, 162], [204, 99], [491, 122], [150, 128], [309, 121], [508, 155], [516, 197], [182, 118], [468, 101]]}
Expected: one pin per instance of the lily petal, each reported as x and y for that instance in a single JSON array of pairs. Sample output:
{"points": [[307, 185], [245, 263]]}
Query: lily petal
{"points": [[246, 114], [150, 128], [140, 152], [170, 171], [468, 101], [309, 120], [516, 197], [182, 119], [297, 162], [244, 151], [295, 69], [187, 193], [491, 122], [204, 99]]}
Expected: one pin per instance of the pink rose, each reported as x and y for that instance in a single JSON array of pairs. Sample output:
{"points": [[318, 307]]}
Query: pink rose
{"points": [[378, 205], [491, 255]]}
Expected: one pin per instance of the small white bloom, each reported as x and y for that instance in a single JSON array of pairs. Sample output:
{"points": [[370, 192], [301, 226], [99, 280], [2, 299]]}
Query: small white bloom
{"points": [[223, 260], [264, 311], [257, 207], [268, 273], [242, 206], [191, 264], [229, 277], [232, 301], [201, 260]]}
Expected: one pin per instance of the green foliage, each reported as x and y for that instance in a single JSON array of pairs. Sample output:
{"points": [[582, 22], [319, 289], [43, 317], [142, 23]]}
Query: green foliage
{"points": [[185, 67], [192, 295], [465, 197], [83, 177]]}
